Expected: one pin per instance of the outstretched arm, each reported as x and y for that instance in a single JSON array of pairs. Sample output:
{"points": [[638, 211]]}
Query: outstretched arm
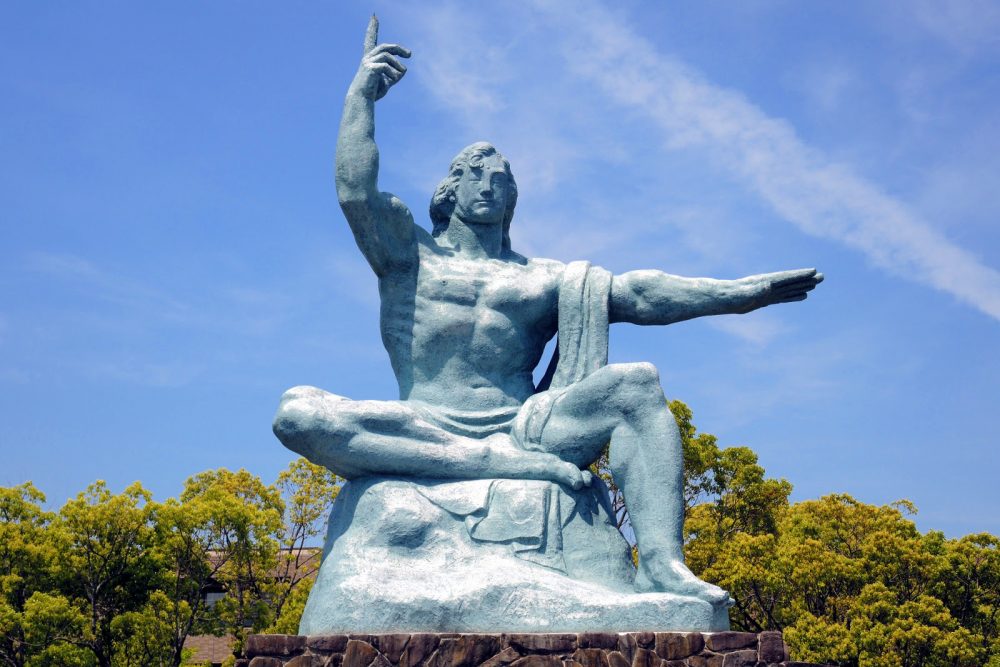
{"points": [[654, 297], [382, 225]]}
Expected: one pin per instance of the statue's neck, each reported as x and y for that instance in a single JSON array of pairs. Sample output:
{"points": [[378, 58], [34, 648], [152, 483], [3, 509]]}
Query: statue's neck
{"points": [[474, 239]]}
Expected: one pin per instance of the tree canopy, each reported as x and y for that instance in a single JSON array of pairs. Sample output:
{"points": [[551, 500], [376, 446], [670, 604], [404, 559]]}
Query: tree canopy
{"points": [[118, 580]]}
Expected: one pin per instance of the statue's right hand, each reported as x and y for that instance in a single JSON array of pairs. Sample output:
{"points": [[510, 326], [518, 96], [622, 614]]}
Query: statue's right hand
{"points": [[380, 69]]}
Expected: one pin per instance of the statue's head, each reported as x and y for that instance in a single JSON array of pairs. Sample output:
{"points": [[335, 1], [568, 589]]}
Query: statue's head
{"points": [[471, 158]]}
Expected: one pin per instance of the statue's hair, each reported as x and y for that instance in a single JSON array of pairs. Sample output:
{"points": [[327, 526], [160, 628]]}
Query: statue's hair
{"points": [[443, 201]]}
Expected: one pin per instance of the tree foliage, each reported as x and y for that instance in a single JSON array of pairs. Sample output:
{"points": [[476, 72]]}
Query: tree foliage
{"points": [[118, 580], [849, 583]]}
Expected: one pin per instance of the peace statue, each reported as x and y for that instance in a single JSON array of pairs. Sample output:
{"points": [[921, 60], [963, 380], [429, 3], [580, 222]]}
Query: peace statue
{"points": [[469, 506]]}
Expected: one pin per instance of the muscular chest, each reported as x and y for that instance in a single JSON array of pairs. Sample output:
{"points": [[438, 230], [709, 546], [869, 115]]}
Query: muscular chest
{"points": [[486, 295]]}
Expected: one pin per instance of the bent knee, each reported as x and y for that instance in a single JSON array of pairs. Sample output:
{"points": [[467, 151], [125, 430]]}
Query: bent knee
{"points": [[637, 384], [640, 375], [300, 410]]}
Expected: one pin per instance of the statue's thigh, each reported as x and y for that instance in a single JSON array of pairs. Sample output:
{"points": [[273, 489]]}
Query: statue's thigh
{"points": [[395, 419], [582, 418]]}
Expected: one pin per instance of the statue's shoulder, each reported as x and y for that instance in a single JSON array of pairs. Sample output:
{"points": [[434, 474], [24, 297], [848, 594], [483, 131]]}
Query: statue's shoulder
{"points": [[548, 272]]}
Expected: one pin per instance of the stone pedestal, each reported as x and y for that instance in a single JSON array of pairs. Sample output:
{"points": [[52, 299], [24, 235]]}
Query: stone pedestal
{"points": [[589, 649]]}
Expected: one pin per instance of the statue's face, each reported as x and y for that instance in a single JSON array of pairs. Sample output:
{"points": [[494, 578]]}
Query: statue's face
{"points": [[483, 191]]}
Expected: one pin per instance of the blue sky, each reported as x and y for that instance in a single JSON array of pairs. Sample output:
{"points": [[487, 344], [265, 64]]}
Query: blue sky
{"points": [[173, 256]]}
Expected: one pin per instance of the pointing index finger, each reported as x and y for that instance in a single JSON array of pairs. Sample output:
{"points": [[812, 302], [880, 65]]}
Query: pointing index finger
{"points": [[371, 35]]}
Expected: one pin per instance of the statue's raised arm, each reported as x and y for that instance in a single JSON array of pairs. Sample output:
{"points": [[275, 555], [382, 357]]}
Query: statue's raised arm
{"points": [[382, 225]]}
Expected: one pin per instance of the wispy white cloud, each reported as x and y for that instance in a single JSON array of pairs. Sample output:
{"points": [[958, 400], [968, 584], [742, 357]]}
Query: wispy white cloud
{"points": [[822, 198], [144, 373], [826, 84], [805, 187], [967, 26], [758, 329], [100, 284]]}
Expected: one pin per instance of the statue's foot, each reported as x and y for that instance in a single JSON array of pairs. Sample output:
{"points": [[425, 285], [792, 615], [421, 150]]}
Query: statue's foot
{"points": [[540, 465], [671, 575]]}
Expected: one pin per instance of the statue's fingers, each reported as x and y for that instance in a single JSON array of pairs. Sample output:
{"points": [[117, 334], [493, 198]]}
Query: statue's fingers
{"points": [[388, 60], [799, 286], [394, 49], [387, 71], [785, 277], [371, 35], [819, 278], [795, 297]]}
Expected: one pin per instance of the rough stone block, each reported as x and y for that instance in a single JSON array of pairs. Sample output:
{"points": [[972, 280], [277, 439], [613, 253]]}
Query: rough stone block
{"points": [[721, 642], [274, 645], [645, 658], [306, 661], [627, 645], [359, 654], [592, 657], [743, 658], [771, 647], [327, 643], [265, 661], [616, 659], [706, 659], [541, 643], [418, 648], [335, 660], [538, 661], [607, 640], [504, 657], [678, 645], [466, 650], [391, 646]]}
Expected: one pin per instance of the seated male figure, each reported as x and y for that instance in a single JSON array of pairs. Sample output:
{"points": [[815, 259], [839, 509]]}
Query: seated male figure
{"points": [[465, 321]]}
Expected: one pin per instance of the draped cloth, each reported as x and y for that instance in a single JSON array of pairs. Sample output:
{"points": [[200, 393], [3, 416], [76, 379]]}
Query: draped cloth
{"points": [[583, 326]]}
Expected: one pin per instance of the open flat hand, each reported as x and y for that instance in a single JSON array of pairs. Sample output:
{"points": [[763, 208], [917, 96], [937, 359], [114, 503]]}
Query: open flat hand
{"points": [[782, 286], [380, 69]]}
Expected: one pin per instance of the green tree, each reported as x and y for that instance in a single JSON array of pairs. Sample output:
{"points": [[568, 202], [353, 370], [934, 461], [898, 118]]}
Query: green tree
{"points": [[105, 563], [308, 491], [237, 527], [145, 638], [856, 584], [968, 582], [26, 556]]}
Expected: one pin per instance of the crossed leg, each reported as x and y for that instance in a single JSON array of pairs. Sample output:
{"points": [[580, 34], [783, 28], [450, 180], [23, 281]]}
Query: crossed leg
{"points": [[624, 403], [360, 438]]}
